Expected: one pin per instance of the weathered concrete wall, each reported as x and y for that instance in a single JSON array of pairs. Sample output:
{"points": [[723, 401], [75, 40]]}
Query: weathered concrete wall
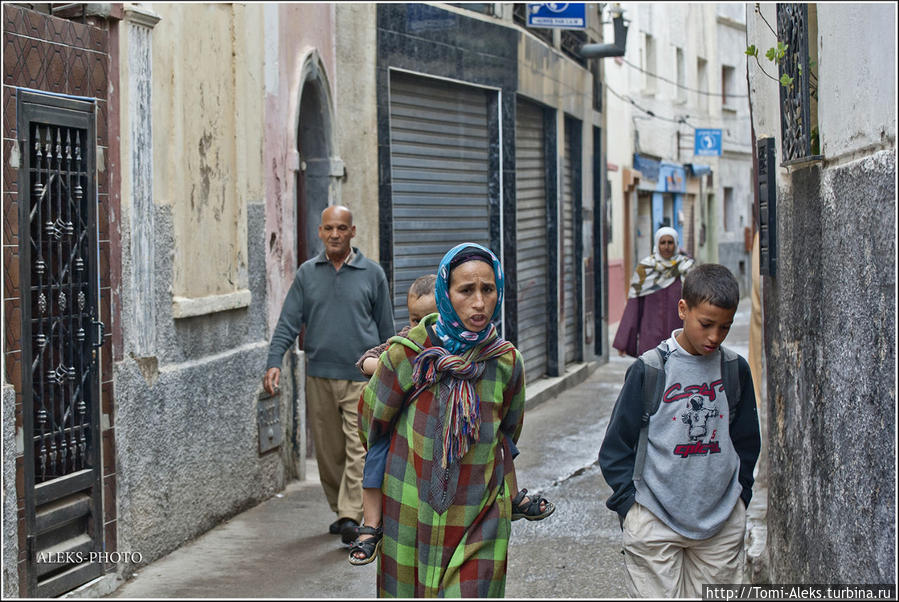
{"points": [[185, 423], [186, 419], [10, 512], [731, 254], [829, 339], [830, 310]]}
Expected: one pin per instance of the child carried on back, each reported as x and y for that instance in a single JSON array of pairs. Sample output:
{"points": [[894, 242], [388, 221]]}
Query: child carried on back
{"points": [[420, 302]]}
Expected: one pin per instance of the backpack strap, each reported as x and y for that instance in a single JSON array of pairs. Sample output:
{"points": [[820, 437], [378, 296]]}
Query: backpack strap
{"points": [[730, 375], [653, 384]]}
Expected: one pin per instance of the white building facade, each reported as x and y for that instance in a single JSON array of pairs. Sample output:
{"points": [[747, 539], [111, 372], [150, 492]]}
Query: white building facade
{"points": [[683, 70]]}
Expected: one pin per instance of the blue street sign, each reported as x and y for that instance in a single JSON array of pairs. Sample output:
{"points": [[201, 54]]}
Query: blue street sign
{"points": [[707, 143], [559, 15]]}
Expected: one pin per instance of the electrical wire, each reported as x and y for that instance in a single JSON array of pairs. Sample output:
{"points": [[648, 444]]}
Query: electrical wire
{"points": [[673, 83], [647, 111], [652, 114]]}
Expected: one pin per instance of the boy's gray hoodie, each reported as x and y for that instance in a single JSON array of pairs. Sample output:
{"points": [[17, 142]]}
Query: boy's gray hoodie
{"points": [[697, 462]]}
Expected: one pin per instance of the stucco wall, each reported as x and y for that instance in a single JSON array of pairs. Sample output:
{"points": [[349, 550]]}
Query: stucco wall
{"points": [[357, 118], [298, 47], [859, 107], [207, 112], [185, 424], [186, 421]]}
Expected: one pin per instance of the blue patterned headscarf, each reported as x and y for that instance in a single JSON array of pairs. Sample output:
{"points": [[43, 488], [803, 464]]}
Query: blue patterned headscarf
{"points": [[453, 336]]}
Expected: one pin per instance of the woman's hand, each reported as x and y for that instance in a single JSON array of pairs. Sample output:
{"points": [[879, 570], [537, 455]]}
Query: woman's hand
{"points": [[369, 365]]}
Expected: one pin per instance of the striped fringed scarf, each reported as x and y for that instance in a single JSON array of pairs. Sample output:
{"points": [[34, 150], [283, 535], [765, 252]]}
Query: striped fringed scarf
{"points": [[463, 420]]}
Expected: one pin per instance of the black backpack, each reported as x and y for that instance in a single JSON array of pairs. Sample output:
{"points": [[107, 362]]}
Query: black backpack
{"points": [[653, 389]]}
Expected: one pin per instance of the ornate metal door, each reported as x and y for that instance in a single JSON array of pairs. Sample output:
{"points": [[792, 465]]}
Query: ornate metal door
{"points": [[60, 294]]}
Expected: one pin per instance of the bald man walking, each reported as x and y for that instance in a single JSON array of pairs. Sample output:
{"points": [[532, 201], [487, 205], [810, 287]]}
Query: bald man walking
{"points": [[343, 300]]}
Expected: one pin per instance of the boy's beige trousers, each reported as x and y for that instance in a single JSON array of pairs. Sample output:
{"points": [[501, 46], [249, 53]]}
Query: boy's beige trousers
{"points": [[661, 563]]}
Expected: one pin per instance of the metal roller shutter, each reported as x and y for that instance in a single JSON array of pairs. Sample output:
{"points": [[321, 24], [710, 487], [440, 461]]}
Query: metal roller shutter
{"points": [[439, 148], [530, 187], [570, 309]]}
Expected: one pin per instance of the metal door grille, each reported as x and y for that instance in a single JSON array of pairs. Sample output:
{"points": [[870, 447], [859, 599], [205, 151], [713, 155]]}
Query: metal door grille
{"points": [[60, 294], [58, 253], [533, 256]]}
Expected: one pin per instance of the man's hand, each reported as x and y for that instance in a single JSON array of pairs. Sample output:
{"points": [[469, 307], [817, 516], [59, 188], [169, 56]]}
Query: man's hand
{"points": [[271, 379]]}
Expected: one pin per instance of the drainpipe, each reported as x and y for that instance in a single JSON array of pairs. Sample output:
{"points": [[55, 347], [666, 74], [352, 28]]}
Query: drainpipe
{"points": [[591, 51]]}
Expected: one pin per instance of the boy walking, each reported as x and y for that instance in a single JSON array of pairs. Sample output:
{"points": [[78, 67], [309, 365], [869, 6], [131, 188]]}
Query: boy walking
{"points": [[681, 493]]}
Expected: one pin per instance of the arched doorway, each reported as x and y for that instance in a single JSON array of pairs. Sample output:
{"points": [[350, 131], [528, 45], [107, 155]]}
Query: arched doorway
{"points": [[314, 146], [313, 176]]}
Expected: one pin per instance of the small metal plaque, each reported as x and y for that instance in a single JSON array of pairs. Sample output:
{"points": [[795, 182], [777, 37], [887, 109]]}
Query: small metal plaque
{"points": [[268, 419]]}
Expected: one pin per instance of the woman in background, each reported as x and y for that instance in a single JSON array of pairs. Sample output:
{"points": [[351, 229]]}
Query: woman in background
{"points": [[651, 311]]}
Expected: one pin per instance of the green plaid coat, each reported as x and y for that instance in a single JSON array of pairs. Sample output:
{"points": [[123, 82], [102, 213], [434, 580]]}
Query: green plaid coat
{"points": [[446, 531]]}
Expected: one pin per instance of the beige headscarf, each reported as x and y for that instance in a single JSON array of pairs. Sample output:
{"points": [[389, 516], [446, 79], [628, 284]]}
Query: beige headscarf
{"points": [[654, 272]]}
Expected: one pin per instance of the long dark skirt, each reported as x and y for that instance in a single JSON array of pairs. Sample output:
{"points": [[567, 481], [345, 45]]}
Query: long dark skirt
{"points": [[649, 320]]}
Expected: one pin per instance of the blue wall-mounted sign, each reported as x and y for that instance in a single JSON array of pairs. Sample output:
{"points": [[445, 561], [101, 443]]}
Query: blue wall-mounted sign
{"points": [[559, 15], [707, 143]]}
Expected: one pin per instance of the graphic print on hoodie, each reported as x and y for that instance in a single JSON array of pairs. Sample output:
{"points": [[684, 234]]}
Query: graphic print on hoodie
{"points": [[691, 476]]}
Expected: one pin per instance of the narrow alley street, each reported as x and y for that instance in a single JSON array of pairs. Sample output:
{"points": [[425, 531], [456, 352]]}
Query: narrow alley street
{"points": [[281, 547], [206, 201]]}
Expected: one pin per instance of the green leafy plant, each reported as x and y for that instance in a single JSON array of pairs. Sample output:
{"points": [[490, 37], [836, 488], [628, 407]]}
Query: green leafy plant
{"points": [[776, 54]]}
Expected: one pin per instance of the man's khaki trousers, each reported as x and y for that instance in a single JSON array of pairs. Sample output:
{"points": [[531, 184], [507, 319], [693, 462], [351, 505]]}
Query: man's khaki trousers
{"points": [[661, 563], [332, 410]]}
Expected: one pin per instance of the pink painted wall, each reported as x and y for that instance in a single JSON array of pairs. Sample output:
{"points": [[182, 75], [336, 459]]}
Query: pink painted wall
{"points": [[618, 284], [304, 31]]}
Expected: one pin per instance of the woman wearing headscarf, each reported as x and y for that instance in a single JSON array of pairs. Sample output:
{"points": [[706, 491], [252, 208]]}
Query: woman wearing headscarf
{"points": [[651, 311], [450, 396]]}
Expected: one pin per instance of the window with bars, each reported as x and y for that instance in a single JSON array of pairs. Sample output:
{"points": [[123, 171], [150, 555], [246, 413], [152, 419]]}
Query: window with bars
{"points": [[798, 120]]}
